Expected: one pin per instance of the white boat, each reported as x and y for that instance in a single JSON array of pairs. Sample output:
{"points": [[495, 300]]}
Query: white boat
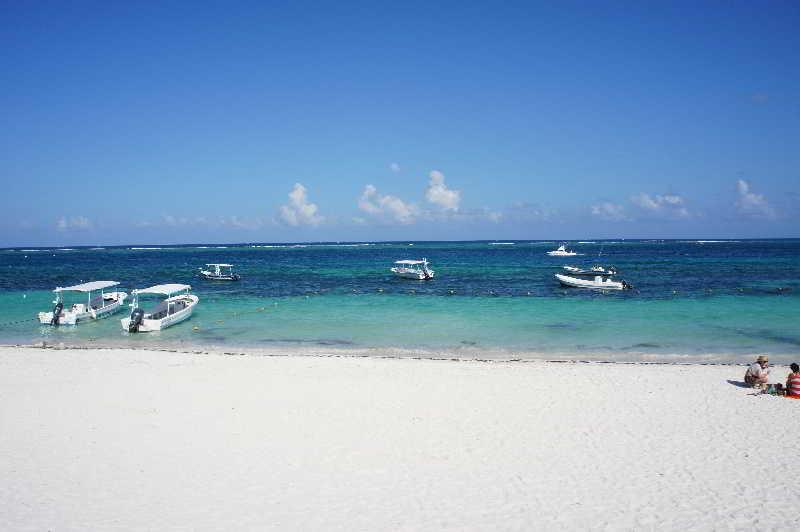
{"points": [[594, 270], [599, 282], [96, 307], [178, 307], [562, 251], [413, 269], [219, 272]]}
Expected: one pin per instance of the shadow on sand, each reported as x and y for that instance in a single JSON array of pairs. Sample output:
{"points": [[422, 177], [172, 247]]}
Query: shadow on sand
{"points": [[740, 384]]}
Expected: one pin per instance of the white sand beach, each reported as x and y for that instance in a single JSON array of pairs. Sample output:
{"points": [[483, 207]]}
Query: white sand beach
{"points": [[146, 440]]}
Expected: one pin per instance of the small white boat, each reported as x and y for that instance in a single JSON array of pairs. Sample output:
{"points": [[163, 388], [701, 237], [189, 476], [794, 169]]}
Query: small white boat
{"points": [[174, 309], [594, 270], [96, 307], [413, 269], [599, 282], [219, 272], [562, 251]]}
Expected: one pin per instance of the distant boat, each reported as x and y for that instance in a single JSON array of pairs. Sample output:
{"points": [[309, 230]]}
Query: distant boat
{"points": [[413, 269], [174, 309], [219, 272], [97, 307], [600, 282], [562, 251]]}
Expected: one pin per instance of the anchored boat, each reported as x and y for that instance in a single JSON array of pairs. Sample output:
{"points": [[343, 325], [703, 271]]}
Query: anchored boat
{"points": [[594, 270], [177, 307], [413, 269], [219, 272], [599, 282], [97, 306], [562, 251]]}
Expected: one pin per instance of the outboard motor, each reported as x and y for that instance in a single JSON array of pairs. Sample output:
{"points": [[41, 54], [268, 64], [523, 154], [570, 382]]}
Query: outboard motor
{"points": [[136, 319], [57, 313], [626, 285]]}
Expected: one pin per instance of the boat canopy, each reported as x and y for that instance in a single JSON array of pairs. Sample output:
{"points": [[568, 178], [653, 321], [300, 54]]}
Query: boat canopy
{"points": [[164, 289], [221, 265], [87, 287], [410, 262]]}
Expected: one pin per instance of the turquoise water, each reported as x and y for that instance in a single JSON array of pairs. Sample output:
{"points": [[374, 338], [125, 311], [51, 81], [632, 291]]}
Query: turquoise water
{"points": [[693, 301]]}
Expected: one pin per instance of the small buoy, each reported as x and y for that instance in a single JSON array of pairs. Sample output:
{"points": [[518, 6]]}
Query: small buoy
{"points": [[380, 289], [24, 296], [195, 328]]}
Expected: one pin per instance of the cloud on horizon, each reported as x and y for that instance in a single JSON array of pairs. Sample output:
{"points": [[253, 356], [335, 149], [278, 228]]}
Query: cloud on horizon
{"points": [[299, 211], [611, 212], [73, 223], [386, 207], [752, 205], [670, 206], [438, 193]]}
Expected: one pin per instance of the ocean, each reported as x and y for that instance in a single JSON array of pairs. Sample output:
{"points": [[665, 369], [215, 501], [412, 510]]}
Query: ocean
{"points": [[693, 300]]}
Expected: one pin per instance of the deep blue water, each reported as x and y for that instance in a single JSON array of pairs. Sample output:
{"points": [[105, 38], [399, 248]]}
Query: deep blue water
{"points": [[692, 300]]}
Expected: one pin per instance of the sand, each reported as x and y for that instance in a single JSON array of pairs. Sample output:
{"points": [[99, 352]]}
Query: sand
{"points": [[138, 440]]}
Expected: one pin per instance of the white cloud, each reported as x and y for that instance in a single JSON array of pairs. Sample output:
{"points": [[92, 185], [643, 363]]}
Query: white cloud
{"points": [[668, 205], [299, 210], [73, 223], [238, 223], [522, 211], [394, 167], [438, 193], [752, 204], [386, 206], [610, 212]]}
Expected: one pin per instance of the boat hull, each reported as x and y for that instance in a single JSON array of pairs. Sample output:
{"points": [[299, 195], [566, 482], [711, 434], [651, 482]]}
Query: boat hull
{"points": [[416, 276], [598, 283], [79, 312], [212, 277], [152, 325]]}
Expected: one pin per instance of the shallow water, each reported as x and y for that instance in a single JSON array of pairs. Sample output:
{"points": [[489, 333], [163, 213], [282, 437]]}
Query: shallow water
{"points": [[693, 300]]}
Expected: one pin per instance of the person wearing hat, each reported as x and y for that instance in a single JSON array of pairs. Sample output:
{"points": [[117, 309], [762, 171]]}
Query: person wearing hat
{"points": [[758, 373]]}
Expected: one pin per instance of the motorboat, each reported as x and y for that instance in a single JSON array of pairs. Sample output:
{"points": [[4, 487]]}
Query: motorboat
{"points": [[562, 251], [219, 272], [97, 306], [177, 307], [413, 269], [600, 282], [594, 270]]}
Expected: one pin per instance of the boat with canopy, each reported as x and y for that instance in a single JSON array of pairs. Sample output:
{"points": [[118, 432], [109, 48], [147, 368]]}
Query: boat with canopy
{"points": [[177, 307], [413, 269], [97, 306], [594, 270], [219, 272]]}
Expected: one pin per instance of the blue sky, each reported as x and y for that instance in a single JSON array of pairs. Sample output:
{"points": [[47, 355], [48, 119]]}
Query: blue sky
{"points": [[238, 122]]}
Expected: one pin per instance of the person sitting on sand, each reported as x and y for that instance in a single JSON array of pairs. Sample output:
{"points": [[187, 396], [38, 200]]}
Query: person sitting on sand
{"points": [[793, 382], [758, 373]]}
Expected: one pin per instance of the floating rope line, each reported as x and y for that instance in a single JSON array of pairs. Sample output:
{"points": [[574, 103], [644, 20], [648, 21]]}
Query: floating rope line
{"points": [[9, 323], [234, 314]]}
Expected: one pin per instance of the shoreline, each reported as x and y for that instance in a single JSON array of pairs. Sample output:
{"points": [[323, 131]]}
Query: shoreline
{"points": [[380, 353]]}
